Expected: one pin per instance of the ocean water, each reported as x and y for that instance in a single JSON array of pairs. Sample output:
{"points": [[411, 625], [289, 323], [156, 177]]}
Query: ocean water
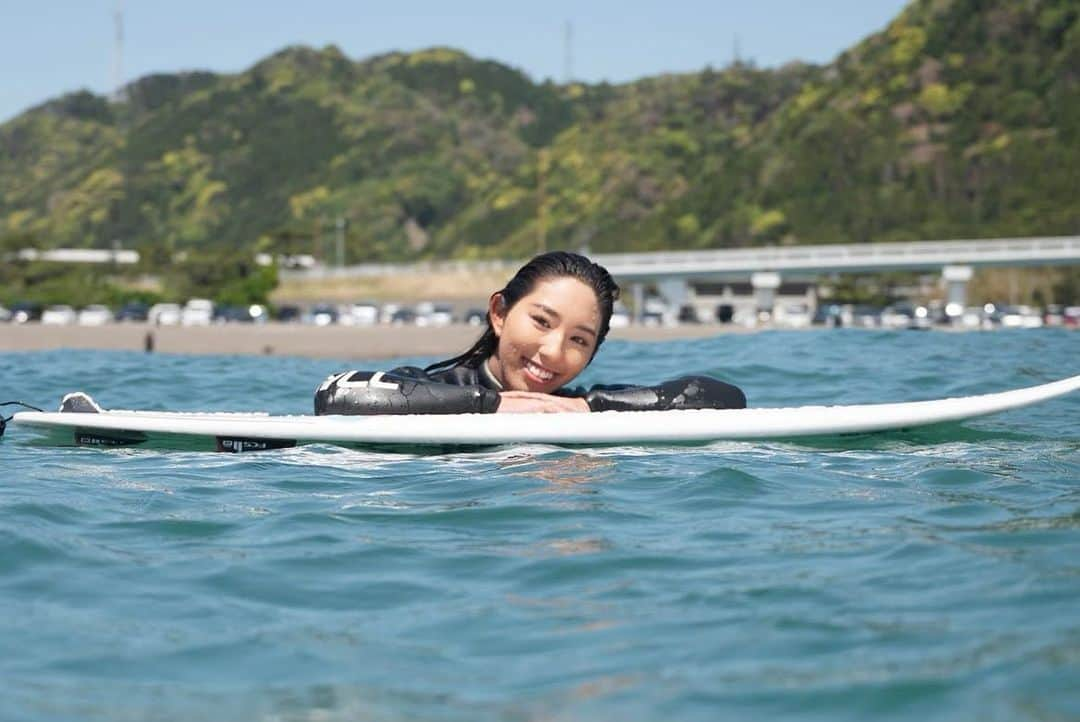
{"points": [[924, 575]]}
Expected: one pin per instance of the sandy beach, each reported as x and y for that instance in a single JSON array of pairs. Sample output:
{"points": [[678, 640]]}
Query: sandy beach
{"points": [[284, 339]]}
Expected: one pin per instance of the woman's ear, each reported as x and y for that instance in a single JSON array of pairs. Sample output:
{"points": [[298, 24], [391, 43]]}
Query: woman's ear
{"points": [[497, 313]]}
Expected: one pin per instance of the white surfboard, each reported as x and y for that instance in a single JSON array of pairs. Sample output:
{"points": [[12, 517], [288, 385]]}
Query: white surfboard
{"points": [[250, 432]]}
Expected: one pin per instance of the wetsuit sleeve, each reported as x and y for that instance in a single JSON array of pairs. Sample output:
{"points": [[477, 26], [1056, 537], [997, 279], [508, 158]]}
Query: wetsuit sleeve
{"points": [[405, 390], [687, 392]]}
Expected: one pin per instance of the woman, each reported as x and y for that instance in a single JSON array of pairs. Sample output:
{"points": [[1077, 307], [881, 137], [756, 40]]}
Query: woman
{"points": [[543, 329]]}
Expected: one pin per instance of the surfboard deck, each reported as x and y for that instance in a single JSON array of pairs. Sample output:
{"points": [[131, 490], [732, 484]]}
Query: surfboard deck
{"points": [[238, 432]]}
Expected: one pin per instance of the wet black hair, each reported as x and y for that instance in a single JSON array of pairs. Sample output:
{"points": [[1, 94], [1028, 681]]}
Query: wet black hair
{"points": [[547, 266]]}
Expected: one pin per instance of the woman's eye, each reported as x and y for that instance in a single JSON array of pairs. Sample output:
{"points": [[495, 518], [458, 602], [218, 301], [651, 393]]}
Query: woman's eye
{"points": [[580, 341], [541, 321]]}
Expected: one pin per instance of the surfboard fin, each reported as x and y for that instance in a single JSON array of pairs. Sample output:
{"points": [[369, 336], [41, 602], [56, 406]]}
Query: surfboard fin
{"points": [[79, 403]]}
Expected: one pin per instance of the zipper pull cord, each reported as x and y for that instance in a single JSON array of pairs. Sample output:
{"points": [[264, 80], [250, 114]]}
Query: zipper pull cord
{"points": [[5, 419]]}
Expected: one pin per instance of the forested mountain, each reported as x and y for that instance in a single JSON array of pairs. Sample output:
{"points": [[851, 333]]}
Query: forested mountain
{"points": [[960, 119]]}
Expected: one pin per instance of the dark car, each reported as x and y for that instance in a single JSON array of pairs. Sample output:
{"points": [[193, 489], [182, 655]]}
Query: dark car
{"points": [[288, 314], [25, 312], [323, 315], [403, 316], [133, 312], [233, 314], [688, 314], [829, 314], [475, 317]]}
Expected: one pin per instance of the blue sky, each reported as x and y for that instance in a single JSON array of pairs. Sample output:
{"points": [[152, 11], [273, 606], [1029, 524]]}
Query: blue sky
{"points": [[48, 47]]}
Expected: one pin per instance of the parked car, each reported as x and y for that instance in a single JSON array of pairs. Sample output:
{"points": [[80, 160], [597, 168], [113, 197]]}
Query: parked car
{"points": [[254, 313], [403, 316], [906, 315], [5, 315], [973, 317], [95, 315], [363, 313], [793, 315], [60, 315], [655, 312], [259, 313], [475, 317], [1019, 317], [688, 314], [323, 315], [620, 316], [438, 315], [288, 314], [24, 312], [830, 315], [863, 316], [164, 314], [652, 318], [387, 311], [133, 311], [1054, 315], [197, 312]]}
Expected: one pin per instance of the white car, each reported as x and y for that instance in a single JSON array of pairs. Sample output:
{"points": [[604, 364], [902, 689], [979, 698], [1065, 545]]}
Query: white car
{"points": [[95, 315], [5, 315], [434, 315], [971, 318], [620, 316], [58, 316], [197, 312], [164, 314], [386, 313], [793, 315], [1019, 317], [360, 314]]}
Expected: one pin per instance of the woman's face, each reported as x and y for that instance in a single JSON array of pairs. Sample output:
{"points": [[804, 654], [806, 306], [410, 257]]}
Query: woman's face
{"points": [[547, 338]]}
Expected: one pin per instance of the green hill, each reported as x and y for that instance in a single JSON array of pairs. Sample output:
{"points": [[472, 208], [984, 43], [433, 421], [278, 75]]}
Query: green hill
{"points": [[960, 119]]}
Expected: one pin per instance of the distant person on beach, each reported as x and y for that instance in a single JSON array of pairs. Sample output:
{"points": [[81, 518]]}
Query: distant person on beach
{"points": [[543, 328]]}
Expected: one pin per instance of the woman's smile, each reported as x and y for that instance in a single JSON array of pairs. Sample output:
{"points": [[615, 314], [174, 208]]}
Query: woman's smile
{"points": [[538, 372]]}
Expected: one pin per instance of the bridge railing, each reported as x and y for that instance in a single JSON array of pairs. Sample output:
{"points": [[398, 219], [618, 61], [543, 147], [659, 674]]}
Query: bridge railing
{"points": [[820, 258], [917, 254]]}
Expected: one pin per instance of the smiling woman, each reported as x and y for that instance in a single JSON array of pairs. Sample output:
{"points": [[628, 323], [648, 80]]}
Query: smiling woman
{"points": [[544, 327]]}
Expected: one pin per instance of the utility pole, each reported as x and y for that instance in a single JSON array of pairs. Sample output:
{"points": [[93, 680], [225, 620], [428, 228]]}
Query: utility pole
{"points": [[120, 212], [568, 53], [118, 52], [340, 226], [542, 161]]}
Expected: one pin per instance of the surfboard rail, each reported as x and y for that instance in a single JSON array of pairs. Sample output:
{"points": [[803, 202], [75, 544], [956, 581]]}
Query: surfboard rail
{"points": [[249, 431]]}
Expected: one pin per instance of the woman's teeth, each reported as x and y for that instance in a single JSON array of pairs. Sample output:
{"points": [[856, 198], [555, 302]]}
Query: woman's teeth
{"points": [[538, 371]]}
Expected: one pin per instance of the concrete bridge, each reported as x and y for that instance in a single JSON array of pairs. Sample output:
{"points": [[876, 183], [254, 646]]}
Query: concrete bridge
{"points": [[862, 257], [671, 271]]}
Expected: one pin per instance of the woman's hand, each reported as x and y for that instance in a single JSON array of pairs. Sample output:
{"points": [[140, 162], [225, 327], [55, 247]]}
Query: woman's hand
{"points": [[531, 402]]}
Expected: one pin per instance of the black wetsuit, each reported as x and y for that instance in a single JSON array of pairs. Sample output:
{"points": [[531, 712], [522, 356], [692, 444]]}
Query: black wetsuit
{"points": [[465, 390]]}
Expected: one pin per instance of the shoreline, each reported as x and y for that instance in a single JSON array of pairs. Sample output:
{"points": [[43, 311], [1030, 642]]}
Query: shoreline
{"points": [[287, 339]]}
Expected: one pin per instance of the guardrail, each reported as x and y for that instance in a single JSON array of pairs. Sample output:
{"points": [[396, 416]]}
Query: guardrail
{"points": [[79, 255], [369, 270], [740, 261], [846, 257]]}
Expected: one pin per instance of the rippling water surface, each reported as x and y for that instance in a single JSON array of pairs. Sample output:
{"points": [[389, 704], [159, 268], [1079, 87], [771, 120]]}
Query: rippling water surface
{"points": [[923, 575]]}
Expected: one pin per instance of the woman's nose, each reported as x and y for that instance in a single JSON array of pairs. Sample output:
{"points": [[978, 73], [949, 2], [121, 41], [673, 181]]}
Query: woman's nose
{"points": [[551, 344]]}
